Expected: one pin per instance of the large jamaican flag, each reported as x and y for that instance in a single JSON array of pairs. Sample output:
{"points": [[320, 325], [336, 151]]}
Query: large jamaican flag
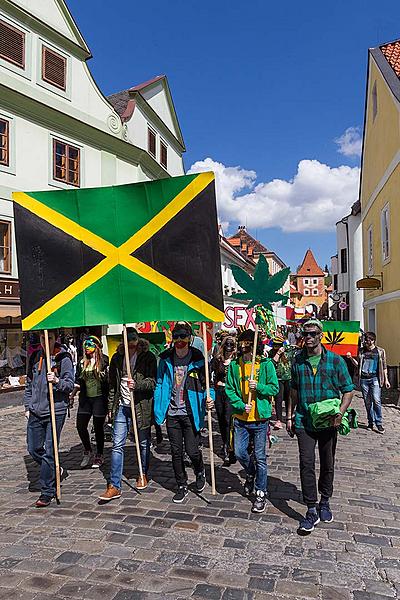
{"points": [[138, 252]]}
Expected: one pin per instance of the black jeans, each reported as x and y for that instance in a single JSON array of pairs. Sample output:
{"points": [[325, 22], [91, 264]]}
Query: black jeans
{"points": [[326, 440], [224, 413], [82, 422], [282, 397], [181, 430]]}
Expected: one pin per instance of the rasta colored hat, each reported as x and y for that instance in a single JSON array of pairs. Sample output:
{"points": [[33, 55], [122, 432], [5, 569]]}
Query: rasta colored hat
{"points": [[278, 340], [314, 323], [183, 326], [92, 340]]}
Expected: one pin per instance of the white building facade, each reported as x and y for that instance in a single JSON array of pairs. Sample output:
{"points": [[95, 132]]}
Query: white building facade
{"points": [[58, 131], [347, 268]]}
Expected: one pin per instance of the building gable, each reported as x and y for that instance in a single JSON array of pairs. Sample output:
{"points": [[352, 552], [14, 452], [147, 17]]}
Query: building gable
{"points": [[309, 266], [381, 140], [55, 14], [157, 94]]}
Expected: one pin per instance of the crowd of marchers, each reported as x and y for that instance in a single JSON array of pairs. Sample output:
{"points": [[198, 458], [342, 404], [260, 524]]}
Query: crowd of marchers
{"points": [[290, 374]]}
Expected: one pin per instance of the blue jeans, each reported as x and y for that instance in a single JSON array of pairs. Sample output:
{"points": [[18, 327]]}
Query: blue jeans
{"points": [[122, 425], [40, 447], [371, 392], [255, 464]]}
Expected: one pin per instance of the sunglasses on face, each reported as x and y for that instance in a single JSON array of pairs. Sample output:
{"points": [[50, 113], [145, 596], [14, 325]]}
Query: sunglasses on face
{"points": [[312, 334], [180, 336]]}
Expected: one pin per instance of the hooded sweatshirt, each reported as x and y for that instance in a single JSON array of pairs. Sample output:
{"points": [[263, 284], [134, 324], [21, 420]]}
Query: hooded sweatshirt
{"points": [[36, 396]]}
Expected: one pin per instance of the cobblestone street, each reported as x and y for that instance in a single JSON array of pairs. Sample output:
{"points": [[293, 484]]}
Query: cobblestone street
{"points": [[144, 546]]}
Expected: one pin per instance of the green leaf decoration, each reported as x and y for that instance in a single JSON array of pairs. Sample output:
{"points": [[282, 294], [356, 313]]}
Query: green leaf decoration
{"points": [[334, 337], [262, 289]]}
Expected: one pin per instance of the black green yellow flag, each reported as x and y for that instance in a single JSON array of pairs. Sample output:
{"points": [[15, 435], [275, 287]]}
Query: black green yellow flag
{"points": [[123, 254]]}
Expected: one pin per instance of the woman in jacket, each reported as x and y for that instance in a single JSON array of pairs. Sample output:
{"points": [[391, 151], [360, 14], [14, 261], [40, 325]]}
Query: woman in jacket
{"points": [[91, 380], [219, 369], [143, 365]]}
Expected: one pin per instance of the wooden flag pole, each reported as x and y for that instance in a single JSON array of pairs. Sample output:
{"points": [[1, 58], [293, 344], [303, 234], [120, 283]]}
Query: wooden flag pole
{"points": [[209, 419], [253, 363], [53, 420], [134, 421]]}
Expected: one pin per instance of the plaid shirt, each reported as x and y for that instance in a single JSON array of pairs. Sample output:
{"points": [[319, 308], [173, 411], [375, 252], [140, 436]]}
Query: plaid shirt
{"points": [[331, 380]]}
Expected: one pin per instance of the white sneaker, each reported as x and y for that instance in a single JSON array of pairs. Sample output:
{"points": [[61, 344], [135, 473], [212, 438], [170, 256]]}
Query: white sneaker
{"points": [[86, 460]]}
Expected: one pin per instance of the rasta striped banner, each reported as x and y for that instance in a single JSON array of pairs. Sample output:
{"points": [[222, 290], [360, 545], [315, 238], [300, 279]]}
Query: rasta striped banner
{"points": [[123, 254], [341, 337]]}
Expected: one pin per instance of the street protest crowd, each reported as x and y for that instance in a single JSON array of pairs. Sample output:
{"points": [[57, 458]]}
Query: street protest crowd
{"points": [[309, 387]]}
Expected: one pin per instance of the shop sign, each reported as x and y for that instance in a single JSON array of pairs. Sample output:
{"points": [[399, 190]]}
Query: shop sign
{"points": [[9, 290]]}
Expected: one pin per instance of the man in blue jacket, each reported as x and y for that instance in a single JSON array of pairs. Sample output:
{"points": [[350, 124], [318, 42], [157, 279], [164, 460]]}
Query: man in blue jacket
{"points": [[37, 409], [180, 400]]}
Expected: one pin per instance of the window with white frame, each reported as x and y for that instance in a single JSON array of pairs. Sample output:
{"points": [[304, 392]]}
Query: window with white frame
{"points": [[370, 250], [12, 44], [306, 292], [306, 282], [315, 292], [4, 142], [66, 163], [5, 246], [151, 142], [315, 281], [385, 232]]}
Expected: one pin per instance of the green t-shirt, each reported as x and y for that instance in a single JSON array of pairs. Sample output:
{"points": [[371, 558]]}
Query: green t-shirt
{"points": [[314, 362], [93, 385]]}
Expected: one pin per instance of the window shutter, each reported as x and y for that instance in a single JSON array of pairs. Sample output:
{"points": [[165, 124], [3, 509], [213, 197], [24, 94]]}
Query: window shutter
{"points": [[12, 44], [54, 68]]}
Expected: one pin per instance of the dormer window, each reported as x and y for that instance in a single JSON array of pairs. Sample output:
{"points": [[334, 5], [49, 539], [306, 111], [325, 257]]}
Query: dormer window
{"points": [[54, 68], [12, 44], [163, 154]]}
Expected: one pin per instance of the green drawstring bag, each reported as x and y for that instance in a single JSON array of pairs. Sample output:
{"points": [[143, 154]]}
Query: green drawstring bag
{"points": [[320, 413]]}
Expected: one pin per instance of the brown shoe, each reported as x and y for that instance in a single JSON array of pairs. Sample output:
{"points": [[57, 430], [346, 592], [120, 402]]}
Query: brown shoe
{"points": [[142, 483], [111, 493]]}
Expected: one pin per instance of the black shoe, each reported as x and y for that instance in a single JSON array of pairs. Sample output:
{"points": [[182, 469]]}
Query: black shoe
{"points": [[181, 494], [232, 458], [43, 501], [310, 521], [325, 513], [370, 426], [248, 486], [200, 481], [259, 503], [380, 429]]}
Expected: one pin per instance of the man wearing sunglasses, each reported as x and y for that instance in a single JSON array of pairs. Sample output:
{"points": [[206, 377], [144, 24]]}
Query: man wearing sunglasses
{"points": [[317, 375], [180, 401]]}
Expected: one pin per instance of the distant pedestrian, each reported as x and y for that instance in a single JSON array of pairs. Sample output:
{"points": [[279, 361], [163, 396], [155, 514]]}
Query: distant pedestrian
{"points": [[373, 376], [219, 368], [143, 368], [282, 361], [251, 416], [37, 409], [72, 349], [91, 380], [180, 401], [317, 375]]}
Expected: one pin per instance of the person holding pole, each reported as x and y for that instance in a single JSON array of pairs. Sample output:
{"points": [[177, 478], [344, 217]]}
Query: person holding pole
{"points": [[140, 378], [250, 386], [180, 401], [37, 409]]}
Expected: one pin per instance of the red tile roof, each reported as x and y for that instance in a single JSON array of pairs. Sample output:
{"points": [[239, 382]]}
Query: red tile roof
{"points": [[242, 237], [391, 52], [310, 267], [141, 86]]}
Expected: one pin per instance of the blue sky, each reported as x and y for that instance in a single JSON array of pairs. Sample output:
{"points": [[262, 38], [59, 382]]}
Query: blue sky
{"points": [[259, 88]]}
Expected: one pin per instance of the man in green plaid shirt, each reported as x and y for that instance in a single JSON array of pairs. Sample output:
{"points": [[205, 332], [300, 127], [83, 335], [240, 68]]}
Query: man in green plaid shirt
{"points": [[317, 375]]}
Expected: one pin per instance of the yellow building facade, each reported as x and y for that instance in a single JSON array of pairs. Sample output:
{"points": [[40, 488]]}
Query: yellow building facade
{"points": [[380, 197]]}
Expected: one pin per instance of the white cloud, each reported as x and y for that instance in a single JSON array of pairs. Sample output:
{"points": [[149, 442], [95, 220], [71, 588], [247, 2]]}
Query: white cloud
{"points": [[350, 143], [314, 200]]}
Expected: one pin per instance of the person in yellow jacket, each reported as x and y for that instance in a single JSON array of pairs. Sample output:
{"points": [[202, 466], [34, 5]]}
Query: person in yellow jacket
{"points": [[251, 416]]}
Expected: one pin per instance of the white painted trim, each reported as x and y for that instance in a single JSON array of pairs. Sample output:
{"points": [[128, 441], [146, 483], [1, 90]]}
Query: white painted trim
{"points": [[383, 298], [389, 171], [25, 72]]}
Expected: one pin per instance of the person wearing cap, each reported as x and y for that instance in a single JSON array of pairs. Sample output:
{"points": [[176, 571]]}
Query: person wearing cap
{"points": [[91, 381], [252, 414], [180, 402], [143, 365], [219, 369], [317, 375]]}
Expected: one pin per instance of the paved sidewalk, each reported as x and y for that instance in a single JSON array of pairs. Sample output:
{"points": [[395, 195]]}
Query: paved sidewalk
{"points": [[144, 546]]}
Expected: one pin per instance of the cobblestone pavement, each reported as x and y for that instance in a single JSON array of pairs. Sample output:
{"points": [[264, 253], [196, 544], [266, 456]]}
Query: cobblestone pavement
{"points": [[144, 546]]}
